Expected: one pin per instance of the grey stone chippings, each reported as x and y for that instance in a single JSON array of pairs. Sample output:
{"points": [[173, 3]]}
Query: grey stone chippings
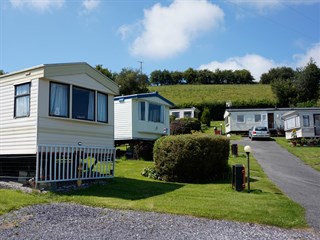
{"points": [[72, 221]]}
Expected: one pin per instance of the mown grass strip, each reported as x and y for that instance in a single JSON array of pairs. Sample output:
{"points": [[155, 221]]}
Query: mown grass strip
{"points": [[129, 190]]}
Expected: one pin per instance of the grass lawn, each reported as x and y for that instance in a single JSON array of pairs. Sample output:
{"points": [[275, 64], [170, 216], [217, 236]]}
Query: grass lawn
{"points": [[310, 155], [191, 94], [129, 190]]}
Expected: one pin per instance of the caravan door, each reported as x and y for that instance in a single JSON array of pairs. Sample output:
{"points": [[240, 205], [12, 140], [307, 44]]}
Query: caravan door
{"points": [[270, 120]]}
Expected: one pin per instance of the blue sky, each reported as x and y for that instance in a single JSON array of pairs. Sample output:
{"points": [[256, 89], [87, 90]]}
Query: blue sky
{"points": [[172, 34]]}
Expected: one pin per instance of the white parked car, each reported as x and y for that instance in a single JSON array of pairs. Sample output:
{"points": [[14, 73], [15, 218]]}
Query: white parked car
{"points": [[259, 132]]}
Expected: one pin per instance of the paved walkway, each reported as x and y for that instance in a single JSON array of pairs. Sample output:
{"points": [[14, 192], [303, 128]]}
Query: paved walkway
{"points": [[298, 181]]}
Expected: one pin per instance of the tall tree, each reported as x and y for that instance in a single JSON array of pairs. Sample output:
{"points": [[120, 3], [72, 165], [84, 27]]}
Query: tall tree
{"points": [[205, 76], [243, 76], [155, 77], [190, 75], [2, 72], [177, 77], [307, 82], [131, 82], [277, 73], [105, 71], [285, 91]]}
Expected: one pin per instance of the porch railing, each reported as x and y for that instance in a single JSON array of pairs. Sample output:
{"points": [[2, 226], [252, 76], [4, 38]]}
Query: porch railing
{"points": [[68, 163]]}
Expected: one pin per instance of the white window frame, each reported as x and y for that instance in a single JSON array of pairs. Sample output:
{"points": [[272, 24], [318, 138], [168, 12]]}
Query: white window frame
{"points": [[255, 119], [241, 115], [306, 121]]}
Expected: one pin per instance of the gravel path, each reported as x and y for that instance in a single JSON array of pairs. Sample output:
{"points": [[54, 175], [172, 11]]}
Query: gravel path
{"points": [[70, 221]]}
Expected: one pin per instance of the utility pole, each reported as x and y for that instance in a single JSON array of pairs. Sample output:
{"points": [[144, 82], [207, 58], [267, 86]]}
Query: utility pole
{"points": [[140, 66]]}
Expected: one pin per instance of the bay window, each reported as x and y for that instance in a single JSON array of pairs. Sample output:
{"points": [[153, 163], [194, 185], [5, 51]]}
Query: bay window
{"points": [[86, 104]]}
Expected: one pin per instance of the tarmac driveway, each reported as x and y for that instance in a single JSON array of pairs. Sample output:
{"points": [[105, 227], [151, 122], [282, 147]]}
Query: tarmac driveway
{"points": [[298, 181]]}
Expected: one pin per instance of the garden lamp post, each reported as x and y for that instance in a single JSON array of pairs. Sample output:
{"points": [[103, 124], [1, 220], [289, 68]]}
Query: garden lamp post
{"points": [[248, 150], [220, 128]]}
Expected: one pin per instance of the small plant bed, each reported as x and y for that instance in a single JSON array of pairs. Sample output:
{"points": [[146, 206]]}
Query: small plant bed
{"points": [[307, 152]]}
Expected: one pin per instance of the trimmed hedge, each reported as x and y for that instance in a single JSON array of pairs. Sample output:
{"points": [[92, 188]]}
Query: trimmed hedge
{"points": [[191, 158]]}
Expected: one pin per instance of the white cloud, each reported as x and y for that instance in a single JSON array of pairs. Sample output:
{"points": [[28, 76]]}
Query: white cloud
{"points": [[168, 31], [89, 5], [256, 64], [301, 60], [39, 5]]}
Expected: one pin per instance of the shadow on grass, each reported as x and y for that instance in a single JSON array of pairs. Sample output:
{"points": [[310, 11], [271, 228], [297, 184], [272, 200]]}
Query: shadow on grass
{"points": [[127, 188]]}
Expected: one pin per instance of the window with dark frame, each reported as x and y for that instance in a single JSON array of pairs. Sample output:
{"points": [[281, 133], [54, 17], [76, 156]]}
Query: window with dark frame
{"points": [[102, 108], [155, 113], [83, 102], [59, 100], [142, 111], [22, 100]]}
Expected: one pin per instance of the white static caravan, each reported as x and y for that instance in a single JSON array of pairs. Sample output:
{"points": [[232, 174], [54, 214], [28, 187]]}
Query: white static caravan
{"points": [[142, 116], [56, 107], [241, 120], [305, 121], [185, 112]]}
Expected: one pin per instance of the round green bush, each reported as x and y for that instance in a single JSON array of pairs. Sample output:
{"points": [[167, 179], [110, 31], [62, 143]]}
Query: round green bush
{"points": [[191, 157]]}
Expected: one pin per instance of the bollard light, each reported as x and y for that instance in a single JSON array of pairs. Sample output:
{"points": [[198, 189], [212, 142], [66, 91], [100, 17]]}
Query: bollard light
{"points": [[248, 150]]}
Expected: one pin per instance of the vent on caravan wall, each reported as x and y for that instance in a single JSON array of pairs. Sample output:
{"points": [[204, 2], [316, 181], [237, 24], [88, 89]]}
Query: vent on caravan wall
{"points": [[229, 104]]}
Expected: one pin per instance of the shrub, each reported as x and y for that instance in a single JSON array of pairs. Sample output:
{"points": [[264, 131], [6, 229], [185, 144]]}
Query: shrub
{"points": [[205, 117], [191, 158], [143, 150], [150, 172], [184, 126]]}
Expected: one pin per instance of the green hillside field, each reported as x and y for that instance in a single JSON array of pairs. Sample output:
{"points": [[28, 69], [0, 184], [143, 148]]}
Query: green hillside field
{"points": [[183, 95]]}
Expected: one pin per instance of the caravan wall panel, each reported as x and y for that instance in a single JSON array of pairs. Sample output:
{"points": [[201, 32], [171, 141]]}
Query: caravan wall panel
{"points": [[18, 135]]}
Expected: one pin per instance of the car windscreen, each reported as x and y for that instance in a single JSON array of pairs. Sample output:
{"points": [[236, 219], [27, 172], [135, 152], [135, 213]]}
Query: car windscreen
{"points": [[261, 129]]}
